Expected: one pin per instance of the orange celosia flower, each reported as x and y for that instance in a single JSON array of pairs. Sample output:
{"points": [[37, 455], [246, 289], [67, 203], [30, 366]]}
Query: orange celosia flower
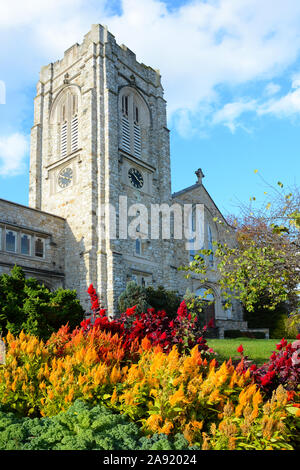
{"points": [[153, 422], [114, 397], [167, 428], [177, 397], [115, 375]]}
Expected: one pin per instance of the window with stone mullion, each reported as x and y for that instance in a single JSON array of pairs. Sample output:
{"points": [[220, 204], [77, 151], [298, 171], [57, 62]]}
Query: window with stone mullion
{"points": [[69, 125], [130, 127]]}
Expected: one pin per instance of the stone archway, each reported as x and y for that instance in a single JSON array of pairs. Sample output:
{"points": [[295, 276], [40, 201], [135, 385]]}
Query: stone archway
{"points": [[209, 310]]}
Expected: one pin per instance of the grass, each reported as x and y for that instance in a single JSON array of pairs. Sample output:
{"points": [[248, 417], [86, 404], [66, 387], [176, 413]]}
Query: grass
{"points": [[258, 350]]}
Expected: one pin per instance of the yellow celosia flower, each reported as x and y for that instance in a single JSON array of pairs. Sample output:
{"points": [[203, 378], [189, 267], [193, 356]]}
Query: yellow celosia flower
{"points": [[166, 428], [42, 385], [257, 399], [214, 396], [91, 356], [114, 397], [115, 375], [177, 397], [153, 422], [14, 385], [81, 379]]}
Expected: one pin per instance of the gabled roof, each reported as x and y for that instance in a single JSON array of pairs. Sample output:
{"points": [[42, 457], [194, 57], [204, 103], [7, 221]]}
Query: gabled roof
{"points": [[198, 186]]}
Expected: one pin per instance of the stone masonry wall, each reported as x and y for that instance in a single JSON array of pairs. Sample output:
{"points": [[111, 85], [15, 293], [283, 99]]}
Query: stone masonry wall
{"points": [[51, 228]]}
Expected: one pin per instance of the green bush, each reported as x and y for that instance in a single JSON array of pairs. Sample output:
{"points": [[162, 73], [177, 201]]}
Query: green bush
{"points": [[80, 428], [196, 305], [133, 295], [276, 320], [27, 305], [162, 299], [246, 334], [149, 297], [283, 329]]}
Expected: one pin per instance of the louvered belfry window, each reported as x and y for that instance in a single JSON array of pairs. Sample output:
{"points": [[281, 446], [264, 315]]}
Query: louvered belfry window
{"points": [[64, 139], [136, 133], [126, 137], [130, 125], [69, 125], [74, 133]]}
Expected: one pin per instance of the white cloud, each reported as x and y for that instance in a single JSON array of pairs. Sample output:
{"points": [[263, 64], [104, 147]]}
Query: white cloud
{"points": [[13, 150], [206, 44], [286, 106], [199, 47], [231, 112], [272, 89]]}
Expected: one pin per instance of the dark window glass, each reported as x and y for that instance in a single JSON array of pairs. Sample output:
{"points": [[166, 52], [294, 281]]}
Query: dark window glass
{"points": [[25, 244], [11, 241], [39, 248]]}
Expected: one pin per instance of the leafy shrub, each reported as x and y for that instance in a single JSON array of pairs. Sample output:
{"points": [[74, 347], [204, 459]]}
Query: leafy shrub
{"points": [[26, 305], [276, 320], [182, 331], [196, 305], [246, 334], [283, 328], [283, 368], [133, 295], [79, 428], [163, 299]]}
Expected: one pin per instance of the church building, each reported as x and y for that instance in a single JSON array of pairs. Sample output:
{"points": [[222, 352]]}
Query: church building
{"points": [[100, 140]]}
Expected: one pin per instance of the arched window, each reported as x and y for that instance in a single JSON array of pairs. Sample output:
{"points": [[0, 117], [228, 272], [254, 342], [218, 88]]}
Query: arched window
{"points": [[196, 232], [11, 241], [134, 122], [65, 122], [209, 299], [39, 247], [25, 244]]}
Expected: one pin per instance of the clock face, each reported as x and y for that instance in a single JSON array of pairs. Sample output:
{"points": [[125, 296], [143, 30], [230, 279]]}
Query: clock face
{"points": [[136, 178], [65, 177]]}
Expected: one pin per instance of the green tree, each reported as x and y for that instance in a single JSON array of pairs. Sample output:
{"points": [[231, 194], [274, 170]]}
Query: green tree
{"points": [[27, 305], [163, 299], [133, 295], [262, 267]]}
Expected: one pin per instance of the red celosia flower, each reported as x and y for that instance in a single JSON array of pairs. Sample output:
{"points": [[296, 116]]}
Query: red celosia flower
{"points": [[240, 349], [182, 310], [290, 395], [130, 311]]}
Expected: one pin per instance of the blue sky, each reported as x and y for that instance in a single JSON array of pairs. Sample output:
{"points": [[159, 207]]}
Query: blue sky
{"points": [[230, 71]]}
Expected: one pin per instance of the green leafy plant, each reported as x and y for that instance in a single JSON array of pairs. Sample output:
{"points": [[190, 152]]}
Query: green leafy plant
{"points": [[81, 427], [133, 295], [163, 299], [27, 305]]}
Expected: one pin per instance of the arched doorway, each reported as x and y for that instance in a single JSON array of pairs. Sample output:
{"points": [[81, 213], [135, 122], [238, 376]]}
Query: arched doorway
{"points": [[209, 308]]}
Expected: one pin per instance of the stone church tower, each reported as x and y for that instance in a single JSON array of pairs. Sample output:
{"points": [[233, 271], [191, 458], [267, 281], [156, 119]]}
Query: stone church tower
{"points": [[99, 170], [100, 133]]}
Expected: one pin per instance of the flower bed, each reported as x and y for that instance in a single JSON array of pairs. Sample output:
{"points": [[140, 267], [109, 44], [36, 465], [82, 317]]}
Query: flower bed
{"points": [[170, 387]]}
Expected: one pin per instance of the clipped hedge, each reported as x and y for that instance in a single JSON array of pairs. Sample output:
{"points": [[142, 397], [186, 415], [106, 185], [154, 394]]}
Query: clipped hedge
{"points": [[80, 428], [247, 334]]}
